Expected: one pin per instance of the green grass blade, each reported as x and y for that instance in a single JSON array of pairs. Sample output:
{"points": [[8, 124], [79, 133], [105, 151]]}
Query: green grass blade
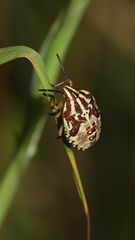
{"points": [[60, 36], [11, 178], [58, 41]]}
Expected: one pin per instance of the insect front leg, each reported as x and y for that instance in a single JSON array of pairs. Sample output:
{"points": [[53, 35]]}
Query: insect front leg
{"points": [[47, 93], [59, 120]]}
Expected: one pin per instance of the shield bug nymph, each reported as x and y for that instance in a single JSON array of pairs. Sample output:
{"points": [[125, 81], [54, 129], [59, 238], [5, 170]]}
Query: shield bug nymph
{"points": [[78, 116]]}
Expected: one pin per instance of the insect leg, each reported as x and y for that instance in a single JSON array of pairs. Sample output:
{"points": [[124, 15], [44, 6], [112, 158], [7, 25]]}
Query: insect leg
{"points": [[58, 118], [60, 131], [47, 95], [49, 90]]}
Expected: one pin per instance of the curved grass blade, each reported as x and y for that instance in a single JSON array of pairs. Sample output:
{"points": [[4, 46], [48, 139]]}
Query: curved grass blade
{"points": [[11, 53], [58, 43]]}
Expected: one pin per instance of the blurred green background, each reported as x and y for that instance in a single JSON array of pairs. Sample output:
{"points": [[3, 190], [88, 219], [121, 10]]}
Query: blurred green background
{"points": [[101, 58]]}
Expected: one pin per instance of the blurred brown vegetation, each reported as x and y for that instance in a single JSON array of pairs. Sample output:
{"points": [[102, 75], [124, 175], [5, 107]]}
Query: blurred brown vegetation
{"points": [[101, 58]]}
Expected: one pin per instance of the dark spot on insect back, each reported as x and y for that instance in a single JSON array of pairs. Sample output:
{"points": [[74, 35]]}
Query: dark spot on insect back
{"points": [[84, 103], [81, 118], [77, 106], [74, 130], [95, 111], [93, 137], [68, 108], [91, 130]]}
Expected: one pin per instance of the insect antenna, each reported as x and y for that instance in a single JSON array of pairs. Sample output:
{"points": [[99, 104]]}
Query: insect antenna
{"points": [[62, 67]]}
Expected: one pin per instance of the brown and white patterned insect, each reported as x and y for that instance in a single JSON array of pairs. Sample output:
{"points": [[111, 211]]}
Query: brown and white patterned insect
{"points": [[80, 120]]}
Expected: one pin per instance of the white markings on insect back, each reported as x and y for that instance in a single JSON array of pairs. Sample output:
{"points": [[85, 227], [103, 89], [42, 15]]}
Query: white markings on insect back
{"points": [[81, 118]]}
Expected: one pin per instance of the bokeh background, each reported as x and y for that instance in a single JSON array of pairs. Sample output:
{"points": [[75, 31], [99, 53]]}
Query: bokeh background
{"points": [[101, 58]]}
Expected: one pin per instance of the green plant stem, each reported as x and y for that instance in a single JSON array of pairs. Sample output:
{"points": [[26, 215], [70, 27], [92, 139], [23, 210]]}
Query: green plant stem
{"points": [[79, 186]]}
